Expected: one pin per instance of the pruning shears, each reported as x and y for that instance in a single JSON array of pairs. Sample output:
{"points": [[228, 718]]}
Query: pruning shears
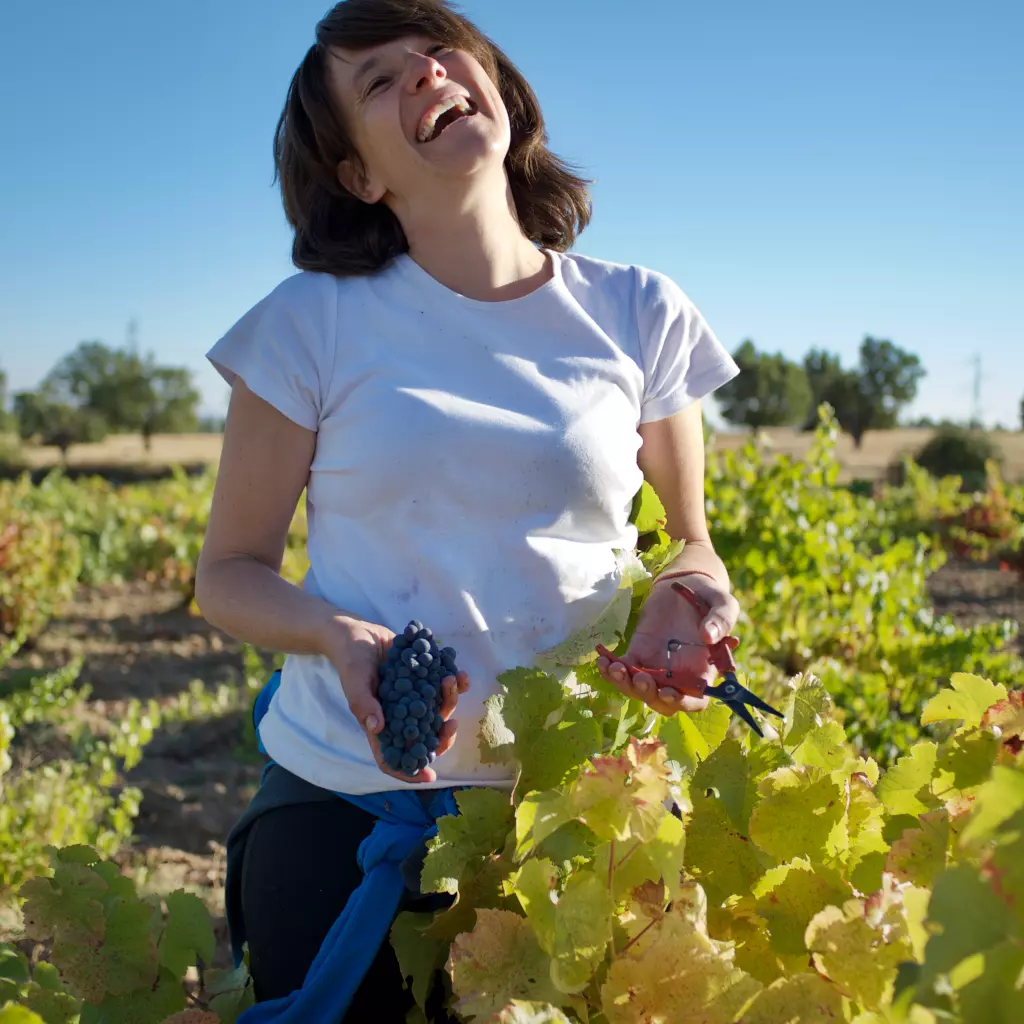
{"points": [[730, 691]]}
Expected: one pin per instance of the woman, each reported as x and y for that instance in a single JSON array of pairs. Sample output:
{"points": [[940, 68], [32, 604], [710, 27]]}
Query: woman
{"points": [[471, 410]]}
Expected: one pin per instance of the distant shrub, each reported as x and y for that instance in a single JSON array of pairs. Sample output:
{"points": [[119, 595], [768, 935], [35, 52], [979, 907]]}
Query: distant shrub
{"points": [[957, 451], [12, 458]]}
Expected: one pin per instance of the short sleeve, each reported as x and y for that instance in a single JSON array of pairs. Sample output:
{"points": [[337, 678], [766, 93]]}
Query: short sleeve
{"points": [[682, 359], [283, 348]]}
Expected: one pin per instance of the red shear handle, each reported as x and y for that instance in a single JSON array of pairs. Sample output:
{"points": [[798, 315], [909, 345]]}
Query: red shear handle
{"points": [[678, 681]]}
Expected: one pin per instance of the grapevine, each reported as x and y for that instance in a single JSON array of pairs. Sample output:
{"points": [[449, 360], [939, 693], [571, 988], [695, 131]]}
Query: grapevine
{"points": [[860, 863]]}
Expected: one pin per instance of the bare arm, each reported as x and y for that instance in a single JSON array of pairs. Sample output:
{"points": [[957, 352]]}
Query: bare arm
{"points": [[264, 466], [672, 461]]}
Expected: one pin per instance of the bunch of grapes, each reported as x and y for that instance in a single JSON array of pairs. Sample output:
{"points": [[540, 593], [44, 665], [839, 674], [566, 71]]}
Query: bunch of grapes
{"points": [[410, 693]]}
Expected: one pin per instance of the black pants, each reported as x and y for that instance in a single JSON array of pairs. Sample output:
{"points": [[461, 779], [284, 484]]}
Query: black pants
{"points": [[298, 872]]}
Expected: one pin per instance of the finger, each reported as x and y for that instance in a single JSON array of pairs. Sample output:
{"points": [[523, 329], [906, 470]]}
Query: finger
{"points": [[678, 701], [449, 696], [720, 620], [446, 737], [368, 712], [644, 686], [615, 674]]}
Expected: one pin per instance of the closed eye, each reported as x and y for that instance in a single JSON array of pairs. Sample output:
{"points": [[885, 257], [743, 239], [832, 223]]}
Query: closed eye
{"points": [[376, 84]]}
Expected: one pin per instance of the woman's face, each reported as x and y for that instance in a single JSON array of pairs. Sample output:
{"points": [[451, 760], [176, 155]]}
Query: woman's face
{"points": [[416, 111]]}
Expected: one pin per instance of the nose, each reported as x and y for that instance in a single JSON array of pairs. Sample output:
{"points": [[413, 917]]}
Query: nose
{"points": [[423, 71]]}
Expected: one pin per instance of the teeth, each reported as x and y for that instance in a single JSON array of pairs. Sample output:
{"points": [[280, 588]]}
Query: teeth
{"points": [[430, 118]]}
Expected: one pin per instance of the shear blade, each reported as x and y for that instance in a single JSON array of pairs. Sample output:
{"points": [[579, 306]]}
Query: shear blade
{"points": [[755, 702], [738, 708]]}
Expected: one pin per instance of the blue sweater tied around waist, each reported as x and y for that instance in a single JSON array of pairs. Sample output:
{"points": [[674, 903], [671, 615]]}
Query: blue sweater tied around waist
{"points": [[405, 820]]}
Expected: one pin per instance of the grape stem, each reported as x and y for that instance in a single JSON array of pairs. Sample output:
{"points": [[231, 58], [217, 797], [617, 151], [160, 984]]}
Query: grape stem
{"points": [[629, 853], [639, 935]]}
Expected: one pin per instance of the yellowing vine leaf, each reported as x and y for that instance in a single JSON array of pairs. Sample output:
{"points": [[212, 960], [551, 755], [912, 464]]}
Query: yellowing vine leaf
{"points": [[573, 927], [518, 1012], [798, 999], [66, 904], [129, 952], [19, 1015], [499, 960], [790, 895], [920, 853], [623, 797], [808, 707], [719, 856], [675, 973], [997, 801], [966, 700], [965, 917], [690, 739], [552, 736], [906, 788], [800, 815], [728, 773], [538, 816], [484, 819], [187, 934], [860, 946]]}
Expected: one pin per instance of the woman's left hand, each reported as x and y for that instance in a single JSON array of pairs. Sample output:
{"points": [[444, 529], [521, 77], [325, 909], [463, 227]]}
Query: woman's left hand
{"points": [[668, 616]]}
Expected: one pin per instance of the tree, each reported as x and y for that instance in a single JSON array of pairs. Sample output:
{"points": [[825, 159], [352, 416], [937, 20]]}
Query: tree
{"points": [[169, 405], [132, 393], [871, 396], [55, 420], [770, 391], [6, 417]]}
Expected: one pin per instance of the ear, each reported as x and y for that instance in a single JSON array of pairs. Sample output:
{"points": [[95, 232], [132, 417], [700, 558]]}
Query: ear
{"points": [[354, 177]]}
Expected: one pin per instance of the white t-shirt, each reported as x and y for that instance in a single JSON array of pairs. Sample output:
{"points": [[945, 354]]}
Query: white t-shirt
{"points": [[474, 469]]}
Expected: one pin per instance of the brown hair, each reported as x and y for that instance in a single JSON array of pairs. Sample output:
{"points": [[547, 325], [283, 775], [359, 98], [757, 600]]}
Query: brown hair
{"points": [[339, 233]]}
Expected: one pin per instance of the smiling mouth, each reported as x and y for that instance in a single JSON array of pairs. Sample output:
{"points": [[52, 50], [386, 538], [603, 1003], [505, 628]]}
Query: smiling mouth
{"points": [[442, 115]]}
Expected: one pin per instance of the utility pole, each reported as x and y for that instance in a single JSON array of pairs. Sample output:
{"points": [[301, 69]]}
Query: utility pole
{"points": [[976, 405], [132, 337]]}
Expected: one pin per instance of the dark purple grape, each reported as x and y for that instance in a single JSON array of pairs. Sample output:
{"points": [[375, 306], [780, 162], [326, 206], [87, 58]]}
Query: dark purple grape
{"points": [[418, 750], [438, 722], [421, 646], [431, 743], [427, 692], [399, 644], [426, 633], [411, 732], [409, 764], [403, 685], [386, 689], [408, 655], [403, 672], [400, 710], [426, 660], [421, 673], [417, 708]]}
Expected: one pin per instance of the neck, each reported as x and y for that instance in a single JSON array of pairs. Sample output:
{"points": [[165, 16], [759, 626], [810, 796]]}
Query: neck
{"points": [[474, 244]]}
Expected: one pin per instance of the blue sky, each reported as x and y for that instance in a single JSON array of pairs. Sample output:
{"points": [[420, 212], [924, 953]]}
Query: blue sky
{"points": [[809, 172]]}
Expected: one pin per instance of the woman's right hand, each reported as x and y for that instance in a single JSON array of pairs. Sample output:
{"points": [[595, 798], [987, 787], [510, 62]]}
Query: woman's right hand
{"points": [[356, 649]]}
